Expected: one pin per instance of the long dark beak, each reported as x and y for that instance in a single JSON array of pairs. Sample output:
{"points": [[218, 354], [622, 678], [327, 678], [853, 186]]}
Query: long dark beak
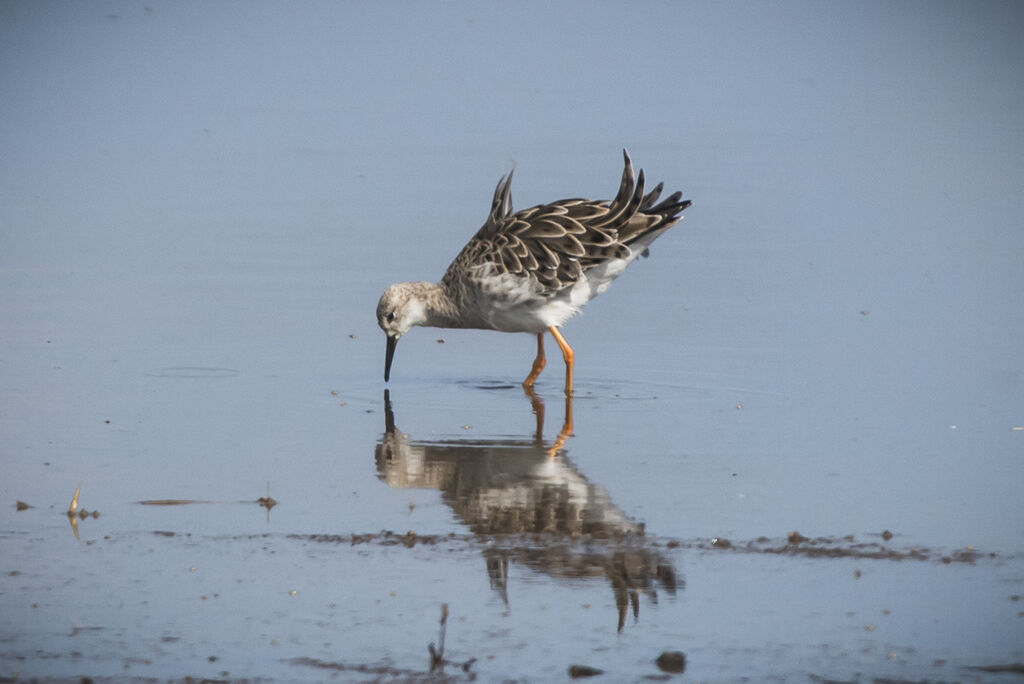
{"points": [[389, 355]]}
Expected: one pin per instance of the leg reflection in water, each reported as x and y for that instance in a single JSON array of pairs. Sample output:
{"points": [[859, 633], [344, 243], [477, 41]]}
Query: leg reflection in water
{"points": [[532, 506], [538, 410]]}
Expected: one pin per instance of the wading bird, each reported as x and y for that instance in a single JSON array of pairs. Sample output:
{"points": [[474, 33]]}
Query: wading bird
{"points": [[532, 270]]}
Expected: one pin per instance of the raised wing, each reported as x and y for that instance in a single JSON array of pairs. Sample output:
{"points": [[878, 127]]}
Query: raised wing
{"points": [[554, 244]]}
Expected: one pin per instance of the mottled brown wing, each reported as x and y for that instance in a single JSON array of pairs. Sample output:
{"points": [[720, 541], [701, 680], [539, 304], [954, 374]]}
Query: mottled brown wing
{"points": [[554, 244]]}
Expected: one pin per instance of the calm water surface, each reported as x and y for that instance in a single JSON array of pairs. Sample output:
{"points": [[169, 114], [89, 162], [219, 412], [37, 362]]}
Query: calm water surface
{"points": [[795, 452]]}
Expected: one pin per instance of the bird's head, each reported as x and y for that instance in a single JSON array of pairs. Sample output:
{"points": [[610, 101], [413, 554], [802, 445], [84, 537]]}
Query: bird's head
{"points": [[398, 310]]}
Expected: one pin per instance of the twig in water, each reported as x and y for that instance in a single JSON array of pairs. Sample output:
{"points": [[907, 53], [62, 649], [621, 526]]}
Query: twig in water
{"points": [[437, 655]]}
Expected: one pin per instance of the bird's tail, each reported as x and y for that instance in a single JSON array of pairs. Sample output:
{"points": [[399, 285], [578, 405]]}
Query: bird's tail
{"points": [[635, 214]]}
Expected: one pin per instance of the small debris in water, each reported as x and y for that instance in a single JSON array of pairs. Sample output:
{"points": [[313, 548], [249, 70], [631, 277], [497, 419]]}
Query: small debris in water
{"points": [[21, 505], [334, 393], [440, 341], [172, 502], [74, 501], [577, 671], [671, 661], [1010, 668], [74, 513]]}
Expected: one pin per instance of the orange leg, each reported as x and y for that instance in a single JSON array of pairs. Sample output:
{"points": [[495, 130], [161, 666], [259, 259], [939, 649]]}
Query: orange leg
{"points": [[538, 363], [567, 422], [568, 355]]}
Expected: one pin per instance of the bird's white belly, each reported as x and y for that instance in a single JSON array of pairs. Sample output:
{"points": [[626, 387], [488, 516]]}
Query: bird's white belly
{"points": [[512, 304]]}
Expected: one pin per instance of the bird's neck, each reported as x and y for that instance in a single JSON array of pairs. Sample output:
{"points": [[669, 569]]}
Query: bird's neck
{"points": [[440, 310]]}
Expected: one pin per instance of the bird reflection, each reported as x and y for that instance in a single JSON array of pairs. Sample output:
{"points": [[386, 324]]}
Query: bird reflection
{"points": [[532, 506]]}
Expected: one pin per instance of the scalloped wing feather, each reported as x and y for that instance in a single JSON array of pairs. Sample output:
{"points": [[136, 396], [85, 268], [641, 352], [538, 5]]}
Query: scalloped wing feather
{"points": [[555, 245]]}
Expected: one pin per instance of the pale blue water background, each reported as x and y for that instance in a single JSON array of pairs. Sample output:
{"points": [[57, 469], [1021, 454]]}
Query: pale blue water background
{"points": [[201, 203]]}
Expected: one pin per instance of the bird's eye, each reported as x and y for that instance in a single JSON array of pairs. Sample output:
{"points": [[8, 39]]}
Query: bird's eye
{"points": [[391, 316]]}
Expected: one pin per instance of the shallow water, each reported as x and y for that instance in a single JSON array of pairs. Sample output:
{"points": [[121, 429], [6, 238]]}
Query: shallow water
{"points": [[199, 206]]}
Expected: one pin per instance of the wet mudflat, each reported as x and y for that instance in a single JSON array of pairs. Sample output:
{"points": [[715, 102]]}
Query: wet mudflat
{"points": [[540, 567], [795, 449]]}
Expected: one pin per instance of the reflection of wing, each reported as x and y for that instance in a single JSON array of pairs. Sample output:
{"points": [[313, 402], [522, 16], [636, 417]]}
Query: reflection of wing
{"points": [[533, 508]]}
